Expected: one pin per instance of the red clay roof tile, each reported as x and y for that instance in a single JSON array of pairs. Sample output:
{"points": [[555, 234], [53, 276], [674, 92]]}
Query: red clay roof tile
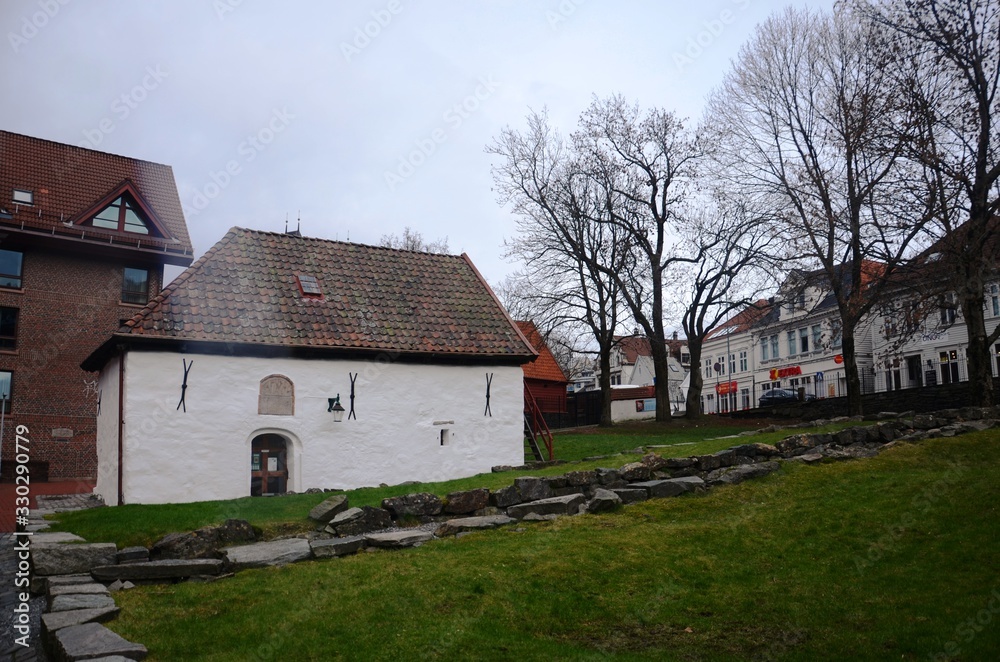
{"points": [[374, 298]]}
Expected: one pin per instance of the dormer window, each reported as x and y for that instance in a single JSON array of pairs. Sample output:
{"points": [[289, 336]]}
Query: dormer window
{"points": [[309, 285], [123, 215], [23, 197]]}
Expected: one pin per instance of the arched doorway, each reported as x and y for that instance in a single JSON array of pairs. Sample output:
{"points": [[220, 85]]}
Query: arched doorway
{"points": [[268, 465]]}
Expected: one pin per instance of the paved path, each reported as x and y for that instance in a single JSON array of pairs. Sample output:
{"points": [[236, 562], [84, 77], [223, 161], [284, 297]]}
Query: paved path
{"points": [[8, 494]]}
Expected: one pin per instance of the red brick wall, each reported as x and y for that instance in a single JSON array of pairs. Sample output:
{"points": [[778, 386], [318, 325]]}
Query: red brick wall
{"points": [[69, 304]]}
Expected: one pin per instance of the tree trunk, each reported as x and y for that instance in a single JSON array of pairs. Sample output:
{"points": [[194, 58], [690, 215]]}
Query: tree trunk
{"points": [[978, 352], [851, 370], [661, 373], [696, 382], [605, 385]]}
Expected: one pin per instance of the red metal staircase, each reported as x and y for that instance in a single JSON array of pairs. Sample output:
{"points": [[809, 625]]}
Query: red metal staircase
{"points": [[536, 430]]}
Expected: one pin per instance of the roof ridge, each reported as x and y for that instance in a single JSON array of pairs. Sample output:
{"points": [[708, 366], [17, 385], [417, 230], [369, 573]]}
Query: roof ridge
{"points": [[182, 278], [348, 243], [85, 149]]}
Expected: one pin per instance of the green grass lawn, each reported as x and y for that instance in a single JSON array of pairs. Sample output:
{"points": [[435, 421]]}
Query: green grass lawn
{"points": [[144, 524], [879, 559]]}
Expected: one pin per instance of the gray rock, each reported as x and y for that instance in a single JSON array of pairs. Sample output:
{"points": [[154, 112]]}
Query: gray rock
{"points": [[80, 601], [66, 580], [468, 501], [133, 555], [69, 589], [603, 501], [581, 478], [68, 559], [741, 473], [456, 526], [535, 517], [328, 509], [398, 539], [807, 458], [422, 504], [634, 472], [505, 496], [263, 554], [532, 489], [607, 476], [92, 641], [157, 570], [324, 549], [63, 619], [665, 488], [205, 542], [562, 505], [40, 539], [356, 521], [631, 494], [680, 462], [654, 462]]}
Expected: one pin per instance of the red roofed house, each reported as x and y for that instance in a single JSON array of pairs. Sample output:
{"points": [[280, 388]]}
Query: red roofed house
{"points": [[543, 378], [228, 383], [84, 237]]}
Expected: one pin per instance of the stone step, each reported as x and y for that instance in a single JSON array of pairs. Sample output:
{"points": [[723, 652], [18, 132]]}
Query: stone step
{"points": [[331, 547], [263, 554], [68, 559], [398, 539], [158, 570], [455, 526], [92, 588], [39, 539], [631, 494], [80, 601], [560, 505], [92, 641], [62, 619]]}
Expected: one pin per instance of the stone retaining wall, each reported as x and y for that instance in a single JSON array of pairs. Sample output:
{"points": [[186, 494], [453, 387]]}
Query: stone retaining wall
{"points": [[78, 576]]}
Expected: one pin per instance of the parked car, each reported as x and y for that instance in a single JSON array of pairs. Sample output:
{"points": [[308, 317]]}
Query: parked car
{"points": [[780, 396]]}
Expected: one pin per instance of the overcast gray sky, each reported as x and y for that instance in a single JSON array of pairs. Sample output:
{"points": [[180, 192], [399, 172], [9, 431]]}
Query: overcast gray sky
{"points": [[363, 117]]}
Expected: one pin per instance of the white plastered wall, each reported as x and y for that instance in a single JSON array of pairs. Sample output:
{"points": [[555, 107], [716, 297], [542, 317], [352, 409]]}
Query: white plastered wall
{"points": [[204, 454], [107, 434]]}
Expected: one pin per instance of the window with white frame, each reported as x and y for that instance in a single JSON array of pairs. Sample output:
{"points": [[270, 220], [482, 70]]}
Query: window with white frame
{"points": [[836, 334], [720, 361], [774, 346], [732, 363], [817, 331], [765, 348], [708, 367], [804, 340], [995, 299], [948, 309], [743, 360], [791, 343]]}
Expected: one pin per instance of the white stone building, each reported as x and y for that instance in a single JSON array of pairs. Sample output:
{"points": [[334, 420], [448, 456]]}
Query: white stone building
{"points": [[227, 383]]}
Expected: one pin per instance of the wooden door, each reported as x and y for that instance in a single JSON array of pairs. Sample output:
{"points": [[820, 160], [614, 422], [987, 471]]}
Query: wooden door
{"points": [[268, 466]]}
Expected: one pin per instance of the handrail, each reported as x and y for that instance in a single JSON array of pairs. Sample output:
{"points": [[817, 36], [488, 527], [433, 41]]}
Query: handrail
{"points": [[538, 427]]}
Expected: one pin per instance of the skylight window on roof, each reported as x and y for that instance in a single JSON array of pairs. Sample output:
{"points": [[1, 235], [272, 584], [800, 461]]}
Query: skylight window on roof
{"points": [[23, 197], [309, 285]]}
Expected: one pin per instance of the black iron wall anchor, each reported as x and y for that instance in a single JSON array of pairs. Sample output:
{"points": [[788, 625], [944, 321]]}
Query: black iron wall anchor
{"points": [[354, 378], [489, 383], [184, 384]]}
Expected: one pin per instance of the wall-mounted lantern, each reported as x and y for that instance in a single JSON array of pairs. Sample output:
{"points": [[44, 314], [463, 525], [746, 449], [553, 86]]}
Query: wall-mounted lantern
{"points": [[333, 404]]}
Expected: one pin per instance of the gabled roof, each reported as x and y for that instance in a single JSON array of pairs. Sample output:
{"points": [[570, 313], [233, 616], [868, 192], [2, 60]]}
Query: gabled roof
{"points": [[245, 292], [742, 321], [545, 367], [633, 347], [66, 181]]}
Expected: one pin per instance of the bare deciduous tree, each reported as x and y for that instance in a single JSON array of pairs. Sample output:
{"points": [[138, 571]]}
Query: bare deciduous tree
{"points": [[566, 254], [411, 240], [947, 55], [809, 119]]}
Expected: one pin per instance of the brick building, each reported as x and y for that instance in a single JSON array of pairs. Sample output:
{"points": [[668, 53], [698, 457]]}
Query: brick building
{"points": [[84, 237]]}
